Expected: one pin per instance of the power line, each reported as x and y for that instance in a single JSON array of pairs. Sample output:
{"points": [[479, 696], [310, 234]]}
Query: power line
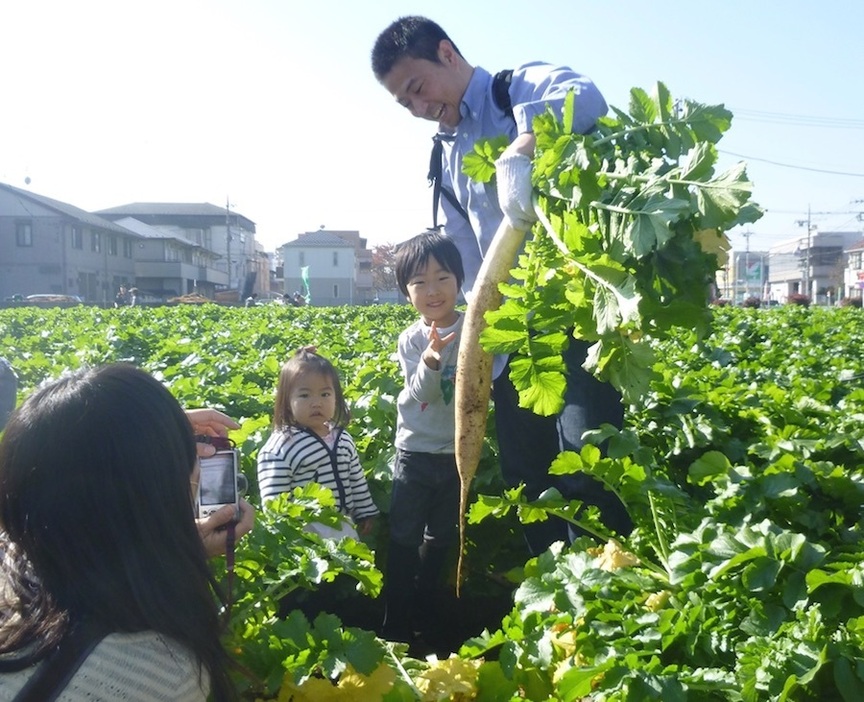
{"points": [[826, 217], [815, 212], [791, 165], [797, 120]]}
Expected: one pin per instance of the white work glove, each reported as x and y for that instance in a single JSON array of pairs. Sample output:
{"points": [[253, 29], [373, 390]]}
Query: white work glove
{"points": [[513, 174]]}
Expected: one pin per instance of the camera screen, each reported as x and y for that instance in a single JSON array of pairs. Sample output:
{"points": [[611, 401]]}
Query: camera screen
{"points": [[218, 482]]}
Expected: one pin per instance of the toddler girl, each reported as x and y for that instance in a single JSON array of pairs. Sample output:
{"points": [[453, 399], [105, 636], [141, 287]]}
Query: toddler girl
{"points": [[309, 442]]}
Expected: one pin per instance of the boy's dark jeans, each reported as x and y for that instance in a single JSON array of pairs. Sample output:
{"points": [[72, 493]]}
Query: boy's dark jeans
{"points": [[424, 513]]}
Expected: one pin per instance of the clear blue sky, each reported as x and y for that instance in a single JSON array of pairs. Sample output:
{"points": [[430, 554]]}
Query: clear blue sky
{"points": [[272, 104]]}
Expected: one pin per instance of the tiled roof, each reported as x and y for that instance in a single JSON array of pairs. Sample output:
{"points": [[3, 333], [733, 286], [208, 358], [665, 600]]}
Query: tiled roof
{"points": [[148, 232], [167, 210], [197, 209], [66, 209], [320, 239]]}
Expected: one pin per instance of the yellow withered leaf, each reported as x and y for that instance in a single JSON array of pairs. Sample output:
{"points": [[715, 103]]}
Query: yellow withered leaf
{"points": [[614, 557], [714, 242]]}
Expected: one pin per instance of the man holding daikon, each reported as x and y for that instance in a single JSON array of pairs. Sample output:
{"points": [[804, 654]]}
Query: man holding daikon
{"points": [[417, 62]]}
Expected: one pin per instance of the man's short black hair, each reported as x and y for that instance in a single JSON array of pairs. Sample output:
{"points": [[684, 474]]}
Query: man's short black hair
{"points": [[414, 254], [414, 36]]}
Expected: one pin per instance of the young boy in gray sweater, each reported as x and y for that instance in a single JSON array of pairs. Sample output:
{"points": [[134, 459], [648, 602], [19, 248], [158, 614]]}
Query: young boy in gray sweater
{"points": [[424, 509]]}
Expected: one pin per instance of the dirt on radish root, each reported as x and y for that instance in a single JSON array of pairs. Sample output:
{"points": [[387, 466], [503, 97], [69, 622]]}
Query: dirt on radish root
{"points": [[474, 367]]}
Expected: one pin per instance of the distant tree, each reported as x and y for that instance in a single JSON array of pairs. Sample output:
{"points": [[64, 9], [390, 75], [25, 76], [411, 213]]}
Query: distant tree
{"points": [[384, 267]]}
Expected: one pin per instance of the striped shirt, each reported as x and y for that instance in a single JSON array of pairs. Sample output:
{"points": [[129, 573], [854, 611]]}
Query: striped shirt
{"points": [[295, 456]]}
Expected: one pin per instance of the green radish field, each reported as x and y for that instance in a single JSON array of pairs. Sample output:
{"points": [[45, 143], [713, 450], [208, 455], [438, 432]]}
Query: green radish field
{"points": [[742, 464]]}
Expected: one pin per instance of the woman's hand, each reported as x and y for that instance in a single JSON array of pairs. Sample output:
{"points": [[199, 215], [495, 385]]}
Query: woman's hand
{"points": [[209, 422], [213, 534]]}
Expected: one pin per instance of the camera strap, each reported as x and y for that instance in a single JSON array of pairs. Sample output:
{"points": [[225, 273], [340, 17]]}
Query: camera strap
{"points": [[222, 443], [230, 539]]}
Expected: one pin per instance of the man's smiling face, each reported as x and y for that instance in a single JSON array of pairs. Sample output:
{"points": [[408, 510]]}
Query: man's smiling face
{"points": [[428, 89]]}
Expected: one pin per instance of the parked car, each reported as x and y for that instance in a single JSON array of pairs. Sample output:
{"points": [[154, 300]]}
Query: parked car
{"points": [[53, 299]]}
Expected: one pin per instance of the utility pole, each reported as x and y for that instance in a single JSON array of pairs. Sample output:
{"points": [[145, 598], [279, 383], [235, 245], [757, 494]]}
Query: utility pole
{"points": [[807, 257], [807, 269], [228, 237], [747, 236], [762, 287]]}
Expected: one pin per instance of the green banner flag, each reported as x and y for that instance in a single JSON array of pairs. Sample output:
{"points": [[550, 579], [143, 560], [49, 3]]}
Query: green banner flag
{"points": [[304, 276]]}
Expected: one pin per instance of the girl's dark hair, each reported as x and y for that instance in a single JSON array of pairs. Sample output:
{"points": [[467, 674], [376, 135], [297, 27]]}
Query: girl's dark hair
{"points": [[96, 503], [414, 253], [302, 363], [415, 37]]}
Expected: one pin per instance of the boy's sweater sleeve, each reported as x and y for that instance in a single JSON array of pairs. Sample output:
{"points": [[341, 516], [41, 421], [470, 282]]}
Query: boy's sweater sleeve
{"points": [[423, 383]]}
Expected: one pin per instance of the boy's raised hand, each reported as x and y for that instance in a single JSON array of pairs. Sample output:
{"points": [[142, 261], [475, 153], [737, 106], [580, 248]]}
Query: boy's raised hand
{"points": [[437, 343]]}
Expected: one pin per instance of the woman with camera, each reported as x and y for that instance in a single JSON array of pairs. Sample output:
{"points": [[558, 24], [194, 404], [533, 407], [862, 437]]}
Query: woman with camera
{"points": [[105, 584]]}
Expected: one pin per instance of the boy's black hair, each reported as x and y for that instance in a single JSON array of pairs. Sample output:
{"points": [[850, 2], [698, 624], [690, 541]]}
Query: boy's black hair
{"points": [[415, 253], [413, 36]]}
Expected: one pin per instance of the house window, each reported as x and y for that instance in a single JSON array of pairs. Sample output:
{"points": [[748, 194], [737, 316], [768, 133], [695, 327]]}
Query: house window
{"points": [[127, 248], [336, 292], [302, 258], [95, 241], [112, 245], [24, 234], [335, 258], [77, 238]]}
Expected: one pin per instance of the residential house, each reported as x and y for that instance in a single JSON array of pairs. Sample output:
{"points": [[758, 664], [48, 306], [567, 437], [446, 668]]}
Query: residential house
{"points": [[169, 265], [48, 246], [262, 265], [853, 274], [277, 280], [218, 229], [812, 265], [338, 264], [364, 288]]}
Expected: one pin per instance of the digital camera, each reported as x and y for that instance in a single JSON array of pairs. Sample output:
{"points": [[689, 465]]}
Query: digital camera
{"points": [[219, 482]]}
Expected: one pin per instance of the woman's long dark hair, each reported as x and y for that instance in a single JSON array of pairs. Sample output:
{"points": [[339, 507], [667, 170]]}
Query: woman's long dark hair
{"points": [[96, 503]]}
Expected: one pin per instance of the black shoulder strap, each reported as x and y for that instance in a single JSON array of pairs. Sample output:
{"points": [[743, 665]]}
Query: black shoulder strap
{"points": [[55, 672], [435, 167], [501, 96], [501, 91]]}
